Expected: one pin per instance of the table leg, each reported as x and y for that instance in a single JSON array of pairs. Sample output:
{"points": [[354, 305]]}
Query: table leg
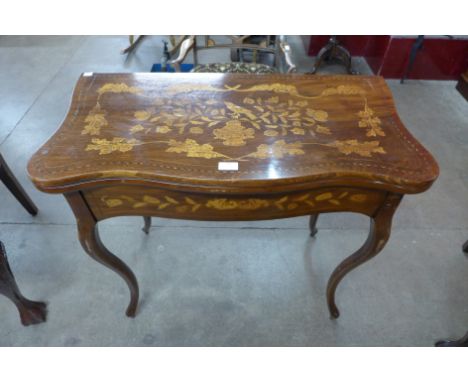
{"points": [[31, 312], [379, 233], [313, 224], [147, 226], [89, 237]]}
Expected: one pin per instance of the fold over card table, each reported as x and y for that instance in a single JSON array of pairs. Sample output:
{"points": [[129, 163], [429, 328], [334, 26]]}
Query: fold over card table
{"points": [[231, 147]]}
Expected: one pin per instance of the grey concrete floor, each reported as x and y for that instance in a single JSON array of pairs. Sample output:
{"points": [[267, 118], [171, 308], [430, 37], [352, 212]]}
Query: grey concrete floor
{"points": [[228, 284]]}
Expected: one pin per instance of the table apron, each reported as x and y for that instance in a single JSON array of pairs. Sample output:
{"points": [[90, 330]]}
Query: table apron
{"points": [[107, 202]]}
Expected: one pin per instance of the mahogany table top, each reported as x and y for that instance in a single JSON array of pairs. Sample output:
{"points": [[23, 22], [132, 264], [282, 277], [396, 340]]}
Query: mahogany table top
{"points": [[286, 132]]}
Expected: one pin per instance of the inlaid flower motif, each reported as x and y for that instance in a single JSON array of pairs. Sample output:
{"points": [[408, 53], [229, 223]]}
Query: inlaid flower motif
{"points": [[163, 129], [118, 88], [318, 115], [224, 204], [234, 124], [234, 134], [359, 198], [230, 204], [273, 100], [113, 202], [136, 129], [193, 149], [371, 122], [196, 130], [239, 110], [116, 144], [94, 121], [323, 130], [142, 115], [277, 150], [352, 146], [298, 131], [270, 133], [344, 90]]}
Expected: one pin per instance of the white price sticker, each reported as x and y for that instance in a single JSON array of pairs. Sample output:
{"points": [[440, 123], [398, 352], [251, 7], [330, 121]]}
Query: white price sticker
{"points": [[87, 74], [228, 166]]}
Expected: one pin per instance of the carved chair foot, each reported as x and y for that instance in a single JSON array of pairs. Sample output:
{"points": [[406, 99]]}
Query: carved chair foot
{"points": [[147, 226], [31, 312], [462, 342], [379, 233], [313, 224]]}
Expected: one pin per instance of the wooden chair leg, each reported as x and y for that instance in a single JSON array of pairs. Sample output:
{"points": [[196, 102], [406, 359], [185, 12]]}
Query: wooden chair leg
{"points": [[7, 177], [462, 342], [147, 226], [31, 312], [379, 233], [313, 224], [90, 241], [133, 44]]}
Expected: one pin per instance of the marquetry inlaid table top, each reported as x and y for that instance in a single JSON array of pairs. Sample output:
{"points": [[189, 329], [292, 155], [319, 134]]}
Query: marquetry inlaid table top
{"points": [[283, 130], [231, 147]]}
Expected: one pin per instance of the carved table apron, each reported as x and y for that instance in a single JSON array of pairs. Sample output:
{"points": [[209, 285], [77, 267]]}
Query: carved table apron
{"points": [[150, 145]]}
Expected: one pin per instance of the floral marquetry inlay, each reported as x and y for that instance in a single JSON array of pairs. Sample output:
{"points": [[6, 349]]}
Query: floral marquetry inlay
{"points": [[233, 133], [233, 137], [105, 146], [193, 149], [181, 123], [277, 150], [95, 120], [352, 146], [118, 88], [371, 122], [192, 204]]}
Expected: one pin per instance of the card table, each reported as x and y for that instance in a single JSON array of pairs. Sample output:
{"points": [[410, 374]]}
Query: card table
{"points": [[231, 147]]}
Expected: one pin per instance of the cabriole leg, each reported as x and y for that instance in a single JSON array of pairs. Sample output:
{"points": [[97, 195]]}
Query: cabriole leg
{"points": [[91, 243], [379, 233]]}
